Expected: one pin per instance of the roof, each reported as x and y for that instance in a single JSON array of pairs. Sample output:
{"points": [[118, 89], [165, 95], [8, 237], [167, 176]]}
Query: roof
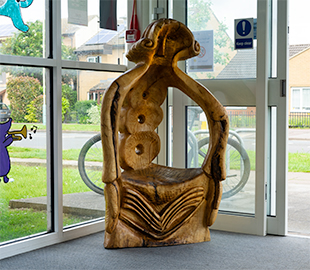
{"points": [[297, 49], [7, 30], [103, 85], [242, 65], [103, 37]]}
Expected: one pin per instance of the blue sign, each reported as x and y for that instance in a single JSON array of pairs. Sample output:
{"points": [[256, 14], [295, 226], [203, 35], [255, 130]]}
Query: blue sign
{"points": [[244, 43], [244, 28], [244, 33]]}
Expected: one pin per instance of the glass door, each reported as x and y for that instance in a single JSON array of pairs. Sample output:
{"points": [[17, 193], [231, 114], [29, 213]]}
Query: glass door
{"points": [[277, 208], [239, 80]]}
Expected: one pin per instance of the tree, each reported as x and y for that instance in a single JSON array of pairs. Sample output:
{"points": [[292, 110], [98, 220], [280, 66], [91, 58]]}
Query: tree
{"points": [[21, 92], [31, 44], [25, 43], [199, 15]]}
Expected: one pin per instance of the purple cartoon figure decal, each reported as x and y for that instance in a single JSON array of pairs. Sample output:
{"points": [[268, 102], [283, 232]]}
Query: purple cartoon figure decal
{"points": [[5, 140]]}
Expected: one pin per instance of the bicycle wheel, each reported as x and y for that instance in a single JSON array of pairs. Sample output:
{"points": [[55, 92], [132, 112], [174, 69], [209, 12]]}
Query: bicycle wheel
{"points": [[237, 166], [90, 164]]}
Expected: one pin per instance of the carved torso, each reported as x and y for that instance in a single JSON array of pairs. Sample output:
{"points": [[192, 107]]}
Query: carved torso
{"points": [[140, 116]]}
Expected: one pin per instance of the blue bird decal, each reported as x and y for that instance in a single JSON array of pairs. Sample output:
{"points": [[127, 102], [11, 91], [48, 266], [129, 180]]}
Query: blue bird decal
{"points": [[11, 8]]}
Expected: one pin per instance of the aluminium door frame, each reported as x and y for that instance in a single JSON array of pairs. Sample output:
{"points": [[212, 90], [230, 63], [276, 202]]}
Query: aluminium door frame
{"points": [[250, 224]]}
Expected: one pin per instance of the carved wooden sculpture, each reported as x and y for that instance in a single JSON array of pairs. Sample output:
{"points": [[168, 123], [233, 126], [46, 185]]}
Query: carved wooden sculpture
{"points": [[148, 204]]}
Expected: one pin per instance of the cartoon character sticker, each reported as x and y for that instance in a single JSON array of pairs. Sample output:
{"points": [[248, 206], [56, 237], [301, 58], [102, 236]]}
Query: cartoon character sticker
{"points": [[11, 8], [6, 139]]}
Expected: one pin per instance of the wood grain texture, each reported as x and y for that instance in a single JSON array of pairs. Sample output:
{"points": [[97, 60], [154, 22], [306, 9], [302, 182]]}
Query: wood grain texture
{"points": [[148, 204]]}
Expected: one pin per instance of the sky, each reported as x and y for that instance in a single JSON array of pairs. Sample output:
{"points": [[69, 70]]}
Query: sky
{"points": [[225, 10]]}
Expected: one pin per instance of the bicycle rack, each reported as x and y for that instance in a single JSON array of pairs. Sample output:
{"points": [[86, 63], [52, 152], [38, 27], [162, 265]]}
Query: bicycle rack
{"points": [[232, 134]]}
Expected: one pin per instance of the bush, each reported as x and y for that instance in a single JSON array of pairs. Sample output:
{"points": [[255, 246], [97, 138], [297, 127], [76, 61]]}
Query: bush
{"points": [[94, 114], [70, 95], [65, 108], [81, 108], [21, 92], [35, 110]]}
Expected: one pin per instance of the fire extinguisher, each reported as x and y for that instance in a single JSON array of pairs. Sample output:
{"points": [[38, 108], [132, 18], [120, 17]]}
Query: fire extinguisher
{"points": [[133, 34]]}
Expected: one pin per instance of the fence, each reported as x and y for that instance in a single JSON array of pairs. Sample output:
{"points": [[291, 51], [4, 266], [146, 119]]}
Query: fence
{"points": [[299, 119], [241, 120]]}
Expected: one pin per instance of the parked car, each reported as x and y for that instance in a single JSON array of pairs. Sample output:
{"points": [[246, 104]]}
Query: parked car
{"points": [[5, 112]]}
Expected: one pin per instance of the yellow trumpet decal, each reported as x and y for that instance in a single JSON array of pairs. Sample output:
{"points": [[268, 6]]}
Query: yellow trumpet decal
{"points": [[22, 132]]}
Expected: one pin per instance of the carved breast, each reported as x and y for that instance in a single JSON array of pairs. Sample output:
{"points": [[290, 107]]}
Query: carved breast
{"points": [[141, 114]]}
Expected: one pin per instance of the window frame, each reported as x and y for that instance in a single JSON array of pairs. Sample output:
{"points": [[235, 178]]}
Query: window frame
{"points": [[54, 65]]}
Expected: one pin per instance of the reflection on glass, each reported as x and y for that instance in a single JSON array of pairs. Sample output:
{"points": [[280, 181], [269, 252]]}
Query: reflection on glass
{"points": [[23, 200], [86, 41], [82, 151], [213, 25], [239, 185]]}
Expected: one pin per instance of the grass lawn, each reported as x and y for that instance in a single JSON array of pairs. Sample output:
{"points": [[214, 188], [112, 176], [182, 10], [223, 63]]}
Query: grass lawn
{"points": [[298, 162], [31, 182], [65, 127], [24, 152]]}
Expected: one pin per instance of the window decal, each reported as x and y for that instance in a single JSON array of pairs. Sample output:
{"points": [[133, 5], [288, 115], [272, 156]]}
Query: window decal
{"points": [[6, 138], [11, 8]]}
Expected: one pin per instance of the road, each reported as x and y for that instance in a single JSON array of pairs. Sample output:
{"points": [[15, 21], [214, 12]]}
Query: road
{"points": [[70, 140], [296, 144], [75, 140]]}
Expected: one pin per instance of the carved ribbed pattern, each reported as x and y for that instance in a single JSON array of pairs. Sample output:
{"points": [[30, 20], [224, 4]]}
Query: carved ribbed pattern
{"points": [[160, 225]]}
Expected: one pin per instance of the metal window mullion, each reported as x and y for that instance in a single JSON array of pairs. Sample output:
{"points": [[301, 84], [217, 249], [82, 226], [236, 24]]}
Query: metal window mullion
{"points": [[15, 60], [263, 64], [67, 64], [56, 120], [282, 122]]}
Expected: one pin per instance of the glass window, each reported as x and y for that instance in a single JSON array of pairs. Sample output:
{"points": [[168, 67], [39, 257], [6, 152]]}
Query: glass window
{"points": [[84, 40], [306, 99], [300, 99], [23, 173], [296, 99], [239, 185], [212, 23], [82, 151]]}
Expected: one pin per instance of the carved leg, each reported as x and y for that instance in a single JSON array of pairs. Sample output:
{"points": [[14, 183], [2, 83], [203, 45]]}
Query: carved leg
{"points": [[112, 197]]}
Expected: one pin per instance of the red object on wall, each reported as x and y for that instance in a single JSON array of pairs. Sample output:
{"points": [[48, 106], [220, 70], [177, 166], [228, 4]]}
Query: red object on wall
{"points": [[133, 34]]}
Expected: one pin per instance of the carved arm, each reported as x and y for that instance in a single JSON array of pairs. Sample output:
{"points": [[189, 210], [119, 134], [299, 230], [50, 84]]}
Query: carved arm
{"points": [[110, 117]]}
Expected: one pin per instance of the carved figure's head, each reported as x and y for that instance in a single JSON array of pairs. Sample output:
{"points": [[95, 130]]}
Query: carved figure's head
{"points": [[163, 42]]}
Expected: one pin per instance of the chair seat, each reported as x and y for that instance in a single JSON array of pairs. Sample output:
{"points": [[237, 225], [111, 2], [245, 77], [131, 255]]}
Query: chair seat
{"points": [[158, 200], [161, 184]]}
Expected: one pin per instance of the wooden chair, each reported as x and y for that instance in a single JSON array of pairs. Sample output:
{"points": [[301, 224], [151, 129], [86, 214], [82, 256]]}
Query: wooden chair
{"points": [[148, 204]]}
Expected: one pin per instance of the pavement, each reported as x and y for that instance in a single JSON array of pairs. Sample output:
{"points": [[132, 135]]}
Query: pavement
{"points": [[299, 203], [299, 134], [84, 204]]}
